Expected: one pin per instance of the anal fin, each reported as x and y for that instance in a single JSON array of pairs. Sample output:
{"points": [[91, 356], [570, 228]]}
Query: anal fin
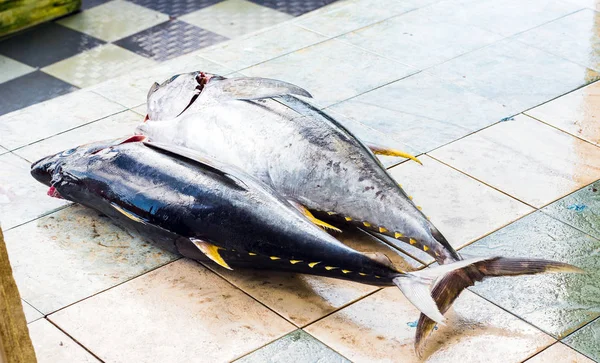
{"points": [[211, 251], [380, 150]]}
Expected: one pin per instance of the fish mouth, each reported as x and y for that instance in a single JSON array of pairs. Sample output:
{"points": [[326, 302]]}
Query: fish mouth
{"points": [[52, 192]]}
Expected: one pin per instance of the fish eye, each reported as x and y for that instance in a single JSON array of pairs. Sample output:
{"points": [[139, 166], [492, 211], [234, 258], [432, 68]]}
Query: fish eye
{"points": [[68, 152]]}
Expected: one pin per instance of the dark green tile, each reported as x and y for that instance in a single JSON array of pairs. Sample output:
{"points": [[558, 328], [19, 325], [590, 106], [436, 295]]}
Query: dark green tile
{"points": [[580, 209], [297, 346], [586, 340], [556, 303]]}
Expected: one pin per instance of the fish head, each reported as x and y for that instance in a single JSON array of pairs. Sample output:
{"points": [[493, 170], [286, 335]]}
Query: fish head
{"points": [[169, 99], [62, 168]]}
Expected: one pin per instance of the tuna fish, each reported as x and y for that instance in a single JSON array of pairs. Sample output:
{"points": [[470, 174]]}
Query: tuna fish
{"points": [[232, 218], [308, 157]]}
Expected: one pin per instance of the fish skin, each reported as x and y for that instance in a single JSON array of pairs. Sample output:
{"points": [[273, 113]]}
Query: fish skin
{"points": [[304, 154], [177, 199]]}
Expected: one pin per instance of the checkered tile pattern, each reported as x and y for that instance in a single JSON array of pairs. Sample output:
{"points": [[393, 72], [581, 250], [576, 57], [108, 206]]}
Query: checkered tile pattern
{"points": [[108, 38]]}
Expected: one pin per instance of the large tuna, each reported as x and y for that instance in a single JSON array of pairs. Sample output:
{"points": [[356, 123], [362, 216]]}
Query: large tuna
{"points": [[309, 158]]}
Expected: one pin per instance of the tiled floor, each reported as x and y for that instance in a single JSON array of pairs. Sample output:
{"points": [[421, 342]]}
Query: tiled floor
{"points": [[497, 97], [109, 38]]}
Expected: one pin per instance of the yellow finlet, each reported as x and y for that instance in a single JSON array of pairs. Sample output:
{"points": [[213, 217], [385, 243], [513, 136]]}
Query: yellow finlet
{"points": [[313, 264], [127, 214], [397, 234], [346, 271], [315, 220], [436, 253], [252, 253], [378, 150], [382, 229], [362, 274], [274, 258], [211, 251], [419, 207], [412, 241], [377, 277], [367, 224], [348, 219], [425, 248], [331, 213], [293, 262], [410, 197], [328, 268]]}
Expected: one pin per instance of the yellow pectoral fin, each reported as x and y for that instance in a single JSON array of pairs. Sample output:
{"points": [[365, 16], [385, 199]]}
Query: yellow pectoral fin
{"points": [[211, 251], [378, 150], [128, 214], [314, 219]]}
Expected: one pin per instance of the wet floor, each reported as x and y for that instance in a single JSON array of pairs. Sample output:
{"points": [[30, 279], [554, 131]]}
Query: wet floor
{"points": [[498, 98]]}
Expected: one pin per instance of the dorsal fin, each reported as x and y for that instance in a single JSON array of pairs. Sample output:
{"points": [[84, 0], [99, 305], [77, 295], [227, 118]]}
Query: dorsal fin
{"points": [[255, 88], [231, 174]]}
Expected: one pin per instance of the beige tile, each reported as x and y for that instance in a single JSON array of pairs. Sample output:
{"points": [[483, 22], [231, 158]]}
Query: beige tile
{"points": [[31, 314], [12, 69], [48, 118], [22, 198], [177, 313], [131, 89], [96, 65], [576, 113], [380, 328], [352, 15], [120, 124], [247, 51], [462, 208], [114, 20], [559, 353], [74, 253], [140, 110], [233, 18], [332, 70], [53, 346], [303, 299], [526, 159]]}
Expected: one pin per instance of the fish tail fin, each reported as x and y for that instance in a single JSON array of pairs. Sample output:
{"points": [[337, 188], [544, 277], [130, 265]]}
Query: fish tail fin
{"points": [[417, 285], [450, 286]]}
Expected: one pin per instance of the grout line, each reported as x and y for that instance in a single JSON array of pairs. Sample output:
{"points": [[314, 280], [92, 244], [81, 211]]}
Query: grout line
{"points": [[44, 214], [561, 130], [74, 340], [541, 351]]}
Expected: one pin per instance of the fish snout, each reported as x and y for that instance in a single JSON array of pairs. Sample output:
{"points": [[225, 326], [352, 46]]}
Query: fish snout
{"points": [[42, 170]]}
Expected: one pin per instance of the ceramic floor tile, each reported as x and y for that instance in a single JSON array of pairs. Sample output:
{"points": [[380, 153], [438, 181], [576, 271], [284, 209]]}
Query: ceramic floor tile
{"points": [[46, 44], [559, 353], [30, 89], [580, 209], [25, 126], [114, 20], [514, 74], [233, 18], [423, 111], [556, 303], [247, 51], [462, 208], [185, 311], [586, 340], [31, 314], [53, 346], [22, 198], [352, 15], [175, 8], [575, 113], [419, 44], [575, 37], [169, 40], [380, 328], [329, 70], [132, 88], [525, 158], [591, 4], [12, 69], [97, 65], [74, 253], [294, 347], [303, 299], [118, 125], [506, 17], [294, 7]]}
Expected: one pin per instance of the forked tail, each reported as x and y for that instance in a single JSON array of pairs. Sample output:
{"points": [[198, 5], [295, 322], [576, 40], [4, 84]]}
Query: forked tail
{"points": [[450, 285]]}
